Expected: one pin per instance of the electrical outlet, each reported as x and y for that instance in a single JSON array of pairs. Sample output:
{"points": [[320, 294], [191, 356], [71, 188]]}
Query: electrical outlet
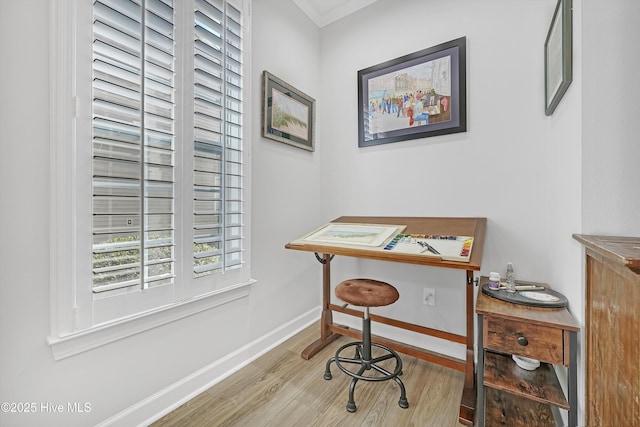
{"points": [[429, 296]]}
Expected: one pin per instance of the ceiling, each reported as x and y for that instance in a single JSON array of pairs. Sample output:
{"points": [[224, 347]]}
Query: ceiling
{"points": [[324, 12]]}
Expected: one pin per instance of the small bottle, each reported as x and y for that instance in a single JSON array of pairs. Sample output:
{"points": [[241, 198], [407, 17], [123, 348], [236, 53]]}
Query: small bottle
{"points": [[494, 281], [511, 278]]}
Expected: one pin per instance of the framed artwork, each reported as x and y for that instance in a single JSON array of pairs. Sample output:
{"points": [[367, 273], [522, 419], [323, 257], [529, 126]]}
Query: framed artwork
{"points": [[354, 234], [418, 95], [288, 115], [558, 72]]}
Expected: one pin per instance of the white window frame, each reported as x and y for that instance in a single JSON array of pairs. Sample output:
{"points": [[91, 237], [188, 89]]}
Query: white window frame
{"points": [[73, 327]]}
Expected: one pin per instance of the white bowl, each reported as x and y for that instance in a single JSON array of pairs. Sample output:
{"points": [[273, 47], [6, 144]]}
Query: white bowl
{"points": [[525, 362]]}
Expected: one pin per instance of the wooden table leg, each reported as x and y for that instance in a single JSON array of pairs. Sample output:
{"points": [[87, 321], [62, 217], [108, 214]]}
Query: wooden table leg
{"points": [[468, 402], [326, 320]]}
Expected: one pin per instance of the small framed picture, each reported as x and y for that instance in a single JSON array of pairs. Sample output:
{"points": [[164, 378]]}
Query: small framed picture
{"points": [[558, 56], [288, 115]]}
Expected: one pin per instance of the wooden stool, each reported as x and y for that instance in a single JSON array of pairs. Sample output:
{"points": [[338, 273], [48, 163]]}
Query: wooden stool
{"points": [[367, 293]]}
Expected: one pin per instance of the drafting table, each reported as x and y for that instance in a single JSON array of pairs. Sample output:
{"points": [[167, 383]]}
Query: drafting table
{"points": [[475, 227]]}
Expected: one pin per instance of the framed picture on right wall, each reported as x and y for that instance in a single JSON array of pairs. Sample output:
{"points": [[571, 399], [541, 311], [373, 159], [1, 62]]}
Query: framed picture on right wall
{"points": [[558, 56]]}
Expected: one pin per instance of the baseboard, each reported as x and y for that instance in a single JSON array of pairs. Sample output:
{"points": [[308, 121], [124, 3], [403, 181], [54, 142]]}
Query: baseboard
{"points": [[161, 403]]}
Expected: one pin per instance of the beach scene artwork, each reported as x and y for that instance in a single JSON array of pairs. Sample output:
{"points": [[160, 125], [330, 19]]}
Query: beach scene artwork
{"points": [[289, 116]]}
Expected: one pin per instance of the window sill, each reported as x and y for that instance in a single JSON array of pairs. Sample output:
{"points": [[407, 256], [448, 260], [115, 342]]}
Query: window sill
{"points": [[78, 342]]}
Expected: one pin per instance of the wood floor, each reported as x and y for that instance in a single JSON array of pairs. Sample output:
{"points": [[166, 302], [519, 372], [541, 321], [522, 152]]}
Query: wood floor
{"points": [[281, 389]]}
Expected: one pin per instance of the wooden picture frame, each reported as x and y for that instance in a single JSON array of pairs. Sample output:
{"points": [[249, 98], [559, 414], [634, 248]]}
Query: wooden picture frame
{"points": [[288, 114], [558, 72], [419, 95]]}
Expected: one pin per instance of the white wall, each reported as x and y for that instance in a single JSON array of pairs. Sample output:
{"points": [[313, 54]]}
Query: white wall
{"points": [[514, 165], [610, 125], [286, 180]]}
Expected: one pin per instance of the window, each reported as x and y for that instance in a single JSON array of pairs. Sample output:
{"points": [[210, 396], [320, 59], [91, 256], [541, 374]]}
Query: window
{"points": [[133, 127], [149, 167]]}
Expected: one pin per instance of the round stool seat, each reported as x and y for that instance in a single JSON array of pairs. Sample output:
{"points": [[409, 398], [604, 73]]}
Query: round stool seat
{"points": [[367, 292]]}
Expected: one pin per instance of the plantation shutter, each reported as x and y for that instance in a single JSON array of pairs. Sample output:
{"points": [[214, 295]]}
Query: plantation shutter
{"points": [[218, 175], [133, 145]]}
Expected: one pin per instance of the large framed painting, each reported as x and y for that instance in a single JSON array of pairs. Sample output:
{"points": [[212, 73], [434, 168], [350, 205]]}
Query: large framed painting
{"points": [[288, 114], [419, 95]]}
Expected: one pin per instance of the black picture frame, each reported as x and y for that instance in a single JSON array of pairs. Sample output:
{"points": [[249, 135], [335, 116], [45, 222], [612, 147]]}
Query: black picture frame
{"points": [[432, 85], [288, 114], [558, 52]]}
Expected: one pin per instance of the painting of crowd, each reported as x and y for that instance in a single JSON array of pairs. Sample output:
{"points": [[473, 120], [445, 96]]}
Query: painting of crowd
{"points": [[415, 96], [414, 108]]}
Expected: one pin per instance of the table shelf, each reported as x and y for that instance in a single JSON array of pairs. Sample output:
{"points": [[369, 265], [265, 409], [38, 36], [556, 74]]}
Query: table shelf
{"points": [[509, 410], [542, 384]]}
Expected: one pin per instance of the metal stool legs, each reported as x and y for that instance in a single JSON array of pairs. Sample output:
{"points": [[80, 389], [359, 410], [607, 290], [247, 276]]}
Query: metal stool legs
{"points": [[363, 357]]}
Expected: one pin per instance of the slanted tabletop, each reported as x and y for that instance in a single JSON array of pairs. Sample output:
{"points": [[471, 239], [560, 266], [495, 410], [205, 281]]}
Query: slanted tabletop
{"points": [[463, 226]]}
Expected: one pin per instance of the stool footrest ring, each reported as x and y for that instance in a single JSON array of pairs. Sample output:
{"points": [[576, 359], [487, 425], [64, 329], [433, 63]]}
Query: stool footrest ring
{"points": [[367, 365]]}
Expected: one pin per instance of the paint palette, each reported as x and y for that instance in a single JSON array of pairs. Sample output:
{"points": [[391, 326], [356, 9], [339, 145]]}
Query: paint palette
{"points": [[450, 248], [540, 296]]}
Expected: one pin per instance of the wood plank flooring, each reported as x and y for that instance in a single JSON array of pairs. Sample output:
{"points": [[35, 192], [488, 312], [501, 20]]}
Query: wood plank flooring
{"points": [[281, 389]]}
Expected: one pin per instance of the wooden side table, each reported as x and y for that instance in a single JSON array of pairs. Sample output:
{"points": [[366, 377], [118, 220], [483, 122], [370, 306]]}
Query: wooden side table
{"points": [[507, 394]]}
